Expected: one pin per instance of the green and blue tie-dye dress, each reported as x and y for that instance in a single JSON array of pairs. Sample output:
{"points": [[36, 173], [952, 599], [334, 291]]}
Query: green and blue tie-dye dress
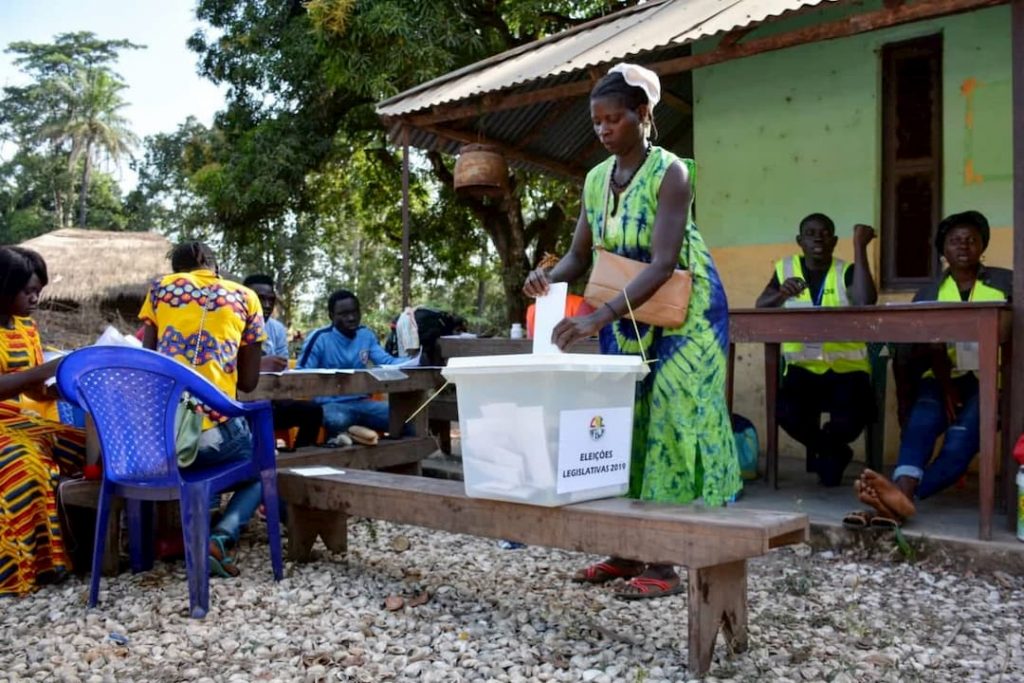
{"points": [[683, 446]]}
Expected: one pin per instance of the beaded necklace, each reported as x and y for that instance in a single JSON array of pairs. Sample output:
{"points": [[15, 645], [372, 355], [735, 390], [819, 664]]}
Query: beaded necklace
{"points": [[617, 187]]}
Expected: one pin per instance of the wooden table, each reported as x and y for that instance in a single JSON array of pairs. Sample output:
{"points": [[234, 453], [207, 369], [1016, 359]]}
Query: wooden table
{"points": [[404, 395], [988, 324], [500, 346]]}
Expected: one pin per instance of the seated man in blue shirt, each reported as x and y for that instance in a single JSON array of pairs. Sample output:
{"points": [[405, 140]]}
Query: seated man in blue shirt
{"points": [[345, 345], [305, 415]]}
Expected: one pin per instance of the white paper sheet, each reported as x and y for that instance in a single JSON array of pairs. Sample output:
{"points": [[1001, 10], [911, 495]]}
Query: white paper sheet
{"points": [[550, 311], [316, 471]]}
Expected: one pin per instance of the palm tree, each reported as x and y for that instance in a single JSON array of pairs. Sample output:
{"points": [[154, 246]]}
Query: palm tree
{"points": [[97, 128]]}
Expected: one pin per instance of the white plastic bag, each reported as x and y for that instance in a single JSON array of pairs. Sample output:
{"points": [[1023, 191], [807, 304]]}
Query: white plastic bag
{"points": [[111, 337]]}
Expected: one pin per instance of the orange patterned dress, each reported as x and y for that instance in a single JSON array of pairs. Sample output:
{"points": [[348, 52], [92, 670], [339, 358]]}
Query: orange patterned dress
{"points": [[35, 450]]}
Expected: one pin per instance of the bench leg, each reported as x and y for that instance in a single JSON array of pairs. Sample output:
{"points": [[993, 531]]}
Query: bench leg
{"points": [[718, 597], [305, 524]]}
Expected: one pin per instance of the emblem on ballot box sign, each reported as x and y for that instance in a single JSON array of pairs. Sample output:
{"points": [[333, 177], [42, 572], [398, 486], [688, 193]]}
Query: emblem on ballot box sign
{"points": [[594, 450]]}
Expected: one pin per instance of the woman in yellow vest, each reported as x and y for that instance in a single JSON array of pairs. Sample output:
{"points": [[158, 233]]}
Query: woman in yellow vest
{"points": [[947, 395], [832, 377]]}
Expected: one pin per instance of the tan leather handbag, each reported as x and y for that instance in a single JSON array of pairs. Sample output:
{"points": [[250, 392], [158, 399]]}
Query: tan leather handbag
{"points": [[611, 273]]}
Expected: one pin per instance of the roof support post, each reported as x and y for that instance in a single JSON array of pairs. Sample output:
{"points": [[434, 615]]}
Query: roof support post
{"points": [[1016, 426], [406, 228]]}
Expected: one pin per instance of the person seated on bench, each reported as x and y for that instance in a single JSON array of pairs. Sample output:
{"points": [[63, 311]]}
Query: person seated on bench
{"points": [[288, 413], [637, 203], [215, 326], [345, 344], [946, 400], [833, 377], [35, 448]]}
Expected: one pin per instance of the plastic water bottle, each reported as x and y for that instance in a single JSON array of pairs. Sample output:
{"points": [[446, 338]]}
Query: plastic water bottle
{"points": [[516, 332], [1020, 504]]}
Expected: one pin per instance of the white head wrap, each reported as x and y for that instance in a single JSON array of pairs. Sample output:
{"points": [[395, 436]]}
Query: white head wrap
{"points": [[640, 77]]}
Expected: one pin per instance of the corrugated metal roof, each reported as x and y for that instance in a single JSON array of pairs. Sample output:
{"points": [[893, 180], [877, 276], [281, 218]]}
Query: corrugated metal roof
{"points": [[640, 29]]}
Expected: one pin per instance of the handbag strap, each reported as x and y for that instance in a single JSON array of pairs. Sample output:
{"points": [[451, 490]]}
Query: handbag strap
{"points": [[604, 217]]}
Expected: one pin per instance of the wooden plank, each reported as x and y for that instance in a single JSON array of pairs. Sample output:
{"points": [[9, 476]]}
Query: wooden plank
{"points": [[1015, 423], [669, 534], [298, 385], [387, 453]]}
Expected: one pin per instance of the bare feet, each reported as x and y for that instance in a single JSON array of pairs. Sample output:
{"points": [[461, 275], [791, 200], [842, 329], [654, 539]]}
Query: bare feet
{"points": [[869, 496], [875, 485]]}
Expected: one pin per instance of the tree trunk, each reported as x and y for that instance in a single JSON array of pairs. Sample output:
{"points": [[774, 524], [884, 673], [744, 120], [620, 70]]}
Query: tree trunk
{"points": [[83, 193]]}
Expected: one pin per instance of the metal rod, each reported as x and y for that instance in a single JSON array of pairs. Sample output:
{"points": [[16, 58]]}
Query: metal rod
{"points": [[1016, 426]]}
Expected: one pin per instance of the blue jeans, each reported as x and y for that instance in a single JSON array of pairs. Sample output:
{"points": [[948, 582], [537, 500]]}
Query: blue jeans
{"points": [[236, 445], [926, 423], [340, 415]]}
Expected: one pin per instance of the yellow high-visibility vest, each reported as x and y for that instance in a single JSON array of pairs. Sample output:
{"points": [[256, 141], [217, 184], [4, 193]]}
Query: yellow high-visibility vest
{"points": [[820, 358]]}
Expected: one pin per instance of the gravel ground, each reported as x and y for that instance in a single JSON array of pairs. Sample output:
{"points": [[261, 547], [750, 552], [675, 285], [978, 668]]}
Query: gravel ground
{"points": [[511, 615]]}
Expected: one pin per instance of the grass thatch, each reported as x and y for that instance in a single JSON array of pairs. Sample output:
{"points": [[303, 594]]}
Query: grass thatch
{"points": [[100, 265]]}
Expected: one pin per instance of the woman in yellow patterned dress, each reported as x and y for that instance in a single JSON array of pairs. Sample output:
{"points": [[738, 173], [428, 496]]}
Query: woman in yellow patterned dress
{"points": [[35, 449]]}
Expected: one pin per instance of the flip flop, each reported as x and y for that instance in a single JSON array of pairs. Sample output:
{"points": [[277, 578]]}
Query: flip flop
{"points": [[859, 519], [603, 572], [647, 588], [221, 563], [886, 522]]}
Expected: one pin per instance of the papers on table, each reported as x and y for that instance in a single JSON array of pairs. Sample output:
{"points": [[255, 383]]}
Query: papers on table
{"points": [[316, 471], [310, 371], [550, 311]]}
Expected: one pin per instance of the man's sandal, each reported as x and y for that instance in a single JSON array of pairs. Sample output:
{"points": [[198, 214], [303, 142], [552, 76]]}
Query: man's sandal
{"points": [[603, 572], [647, 588], [859, 519]]}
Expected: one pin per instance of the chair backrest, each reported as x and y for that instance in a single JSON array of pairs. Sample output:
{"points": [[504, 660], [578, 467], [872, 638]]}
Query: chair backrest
{"points": [[132, 395]]}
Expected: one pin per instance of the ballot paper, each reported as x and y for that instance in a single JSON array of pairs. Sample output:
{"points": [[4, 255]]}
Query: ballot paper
{"points": [[550, 311], [316, 471]]}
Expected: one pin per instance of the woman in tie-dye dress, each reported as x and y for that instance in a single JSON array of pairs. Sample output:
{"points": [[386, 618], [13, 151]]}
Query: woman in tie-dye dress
{"points": [[638, 203], [35, 449]]}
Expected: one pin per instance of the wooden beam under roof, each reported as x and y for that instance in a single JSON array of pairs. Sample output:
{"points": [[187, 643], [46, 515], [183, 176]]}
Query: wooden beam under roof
{"points": [[470, 137], [886, 17]]}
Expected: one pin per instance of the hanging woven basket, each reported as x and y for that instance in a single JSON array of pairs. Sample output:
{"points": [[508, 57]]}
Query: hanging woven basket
{"points": [[481, 171]]}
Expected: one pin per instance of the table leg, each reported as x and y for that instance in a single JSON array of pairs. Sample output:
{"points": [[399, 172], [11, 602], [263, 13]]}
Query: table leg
{"points": [[771, 388], [718, 599], [1009, 465], [988, 398], [401, 406]]}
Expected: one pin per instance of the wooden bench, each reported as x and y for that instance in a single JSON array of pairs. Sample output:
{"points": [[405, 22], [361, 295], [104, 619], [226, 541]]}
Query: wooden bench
{"points": [[393, 455], [714, 544]]}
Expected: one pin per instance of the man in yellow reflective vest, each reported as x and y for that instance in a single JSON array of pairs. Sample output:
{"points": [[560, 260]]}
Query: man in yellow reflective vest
{"points": [[832, 377], [946, 395]]}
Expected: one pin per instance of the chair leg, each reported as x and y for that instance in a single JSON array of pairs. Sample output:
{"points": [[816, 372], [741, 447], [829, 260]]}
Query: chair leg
{"points": [[195, 525], [99, 544], [272, 508], [140, 534]]}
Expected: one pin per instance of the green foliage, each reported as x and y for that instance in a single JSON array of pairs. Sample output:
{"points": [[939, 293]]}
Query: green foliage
{"points": [[298, 176], [64, 121]]}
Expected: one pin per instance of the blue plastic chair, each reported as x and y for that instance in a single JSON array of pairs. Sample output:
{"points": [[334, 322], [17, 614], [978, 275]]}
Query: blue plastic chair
{"points": [[132, 395]]}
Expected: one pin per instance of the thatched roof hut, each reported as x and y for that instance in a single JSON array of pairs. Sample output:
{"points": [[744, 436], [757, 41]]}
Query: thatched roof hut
{"points": [[111, 270]]}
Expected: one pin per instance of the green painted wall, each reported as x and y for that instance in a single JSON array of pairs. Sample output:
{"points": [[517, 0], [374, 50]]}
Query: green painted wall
{"points": [[782, 134]]}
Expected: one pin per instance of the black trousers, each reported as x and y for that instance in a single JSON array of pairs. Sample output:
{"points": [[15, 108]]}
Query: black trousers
{"points": [[306, 415], [848, 399]]}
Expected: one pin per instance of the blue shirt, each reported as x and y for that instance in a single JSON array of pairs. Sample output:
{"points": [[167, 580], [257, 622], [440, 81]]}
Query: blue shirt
{"points": [[277, 338], [329, 348]]}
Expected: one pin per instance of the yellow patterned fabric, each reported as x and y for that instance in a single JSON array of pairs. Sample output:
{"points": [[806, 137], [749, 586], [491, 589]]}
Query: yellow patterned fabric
{"points": [[34, 452], [234, 318]]}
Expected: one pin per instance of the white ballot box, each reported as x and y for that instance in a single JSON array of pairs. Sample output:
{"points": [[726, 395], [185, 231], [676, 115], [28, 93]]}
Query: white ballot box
{"points": [[546, 429]]}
